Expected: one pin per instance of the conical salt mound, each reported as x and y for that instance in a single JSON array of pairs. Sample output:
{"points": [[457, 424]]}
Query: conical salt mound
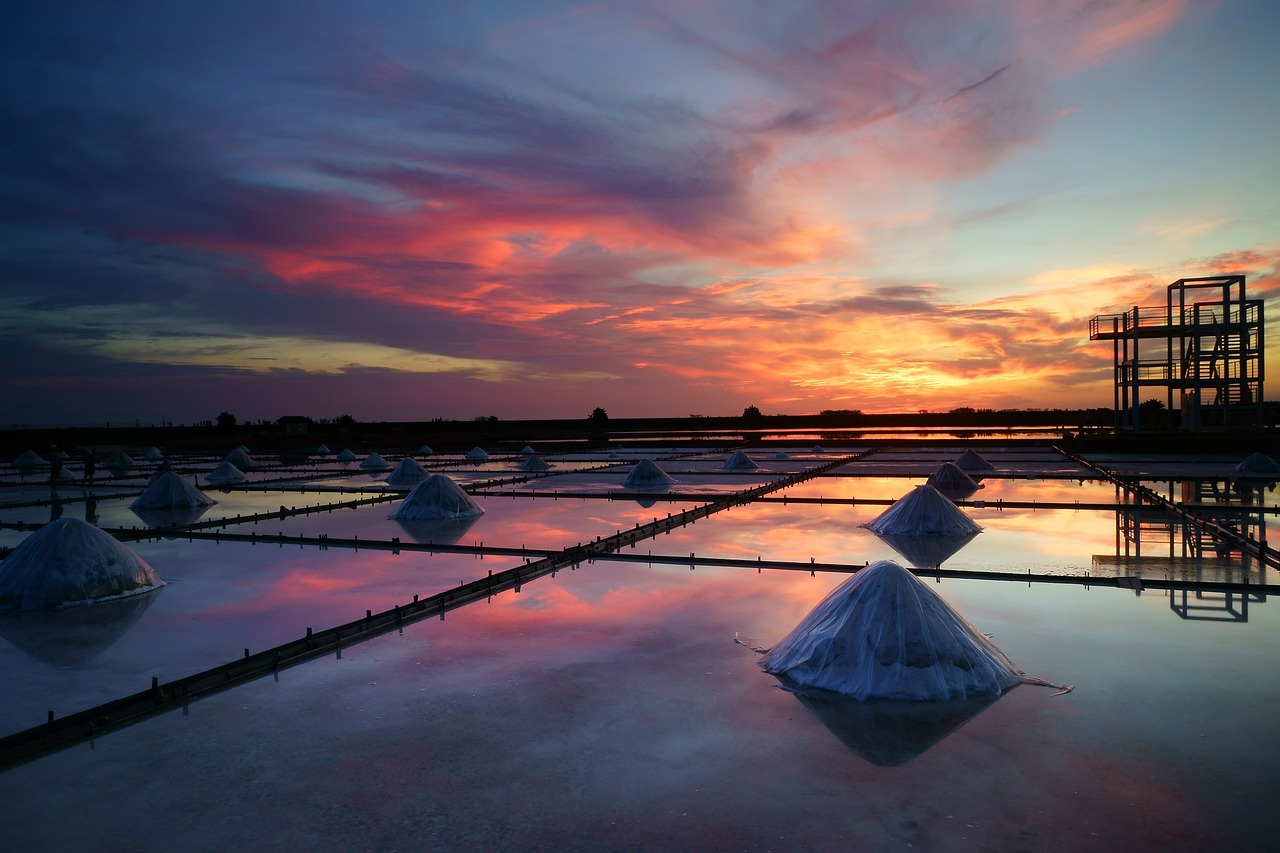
{"points": [[647, 475], [170, 491], [534, 463], [409, 472], [224, 475], [885, 634], [924, 511], [345, 455], [1256, 464], [65, 476], [527, 450], [374, 462], [323, 450], [425, 450], [970, 462], [817, 448], [476, 454], [67, 562], [781, 455], [29, 459], [239, 458], [739, 461], [437, 497], [952, 482], [118, 461], [153, 454]]}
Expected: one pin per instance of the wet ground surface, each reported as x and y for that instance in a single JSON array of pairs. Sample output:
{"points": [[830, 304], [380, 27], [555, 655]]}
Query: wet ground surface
{"points": [[608, 708]]}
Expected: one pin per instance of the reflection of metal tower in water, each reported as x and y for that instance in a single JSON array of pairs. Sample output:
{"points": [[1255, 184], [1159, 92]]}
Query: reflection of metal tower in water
{"points": [[1210, 351]]}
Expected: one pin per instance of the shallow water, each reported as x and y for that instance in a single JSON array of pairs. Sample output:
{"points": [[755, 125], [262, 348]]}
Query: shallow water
{"points": [[607, 706]]}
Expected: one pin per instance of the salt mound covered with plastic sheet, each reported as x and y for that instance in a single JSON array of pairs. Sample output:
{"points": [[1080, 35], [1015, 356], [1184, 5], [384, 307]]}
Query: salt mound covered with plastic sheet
{"points": [[476, 454], [169, 490], [1256, 464], [224, 474], [408, 472], [239, 458], [647, 475], [68, 562], [346, 455], [924, 511], [971, 462], [739, 461], [535, 463], [374, 462], [952, 482], [437, 497], [885, 634]]}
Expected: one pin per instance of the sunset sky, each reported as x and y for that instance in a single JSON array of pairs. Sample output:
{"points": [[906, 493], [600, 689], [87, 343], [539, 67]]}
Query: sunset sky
{"points": [[409, 210]]}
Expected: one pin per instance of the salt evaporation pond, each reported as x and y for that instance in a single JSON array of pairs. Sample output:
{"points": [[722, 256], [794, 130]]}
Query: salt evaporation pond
{"points": [[606, 707]]}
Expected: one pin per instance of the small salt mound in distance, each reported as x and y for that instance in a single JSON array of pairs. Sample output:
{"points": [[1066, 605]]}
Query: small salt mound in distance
{"points": [[374, 462], [885, 634], [437, 497], [535, 463], [739, 461], [323, 450], [118, 461], [647, 475], [153, 454], [224, 474], [409, 472], [239, 458], [346, 455], [952, 482], [924, 511], [29, 459], [1258, 465], [817, 448], [527, 450], [69, 562], [425, 450], [970, 462], [781, 455], [170, 491], [476, 454]]}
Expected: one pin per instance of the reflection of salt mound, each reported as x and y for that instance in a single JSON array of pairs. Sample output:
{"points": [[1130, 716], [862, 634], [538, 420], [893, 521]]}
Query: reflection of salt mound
{"points": [[476, 454], [345, 455], [224, 474], [28, 459], [952, 482], [884, 634], [926, 552], [323, 450], [436, 531], [76, 635], [170, 491], [647, 475], [408, 472], [739, 461], [374, 462], [889, 733], [153, 454], [437, 497], [1258, 465], [67, 562], [970, 462], [924, 511], [174, 516], [239, 458], [535, 463]]}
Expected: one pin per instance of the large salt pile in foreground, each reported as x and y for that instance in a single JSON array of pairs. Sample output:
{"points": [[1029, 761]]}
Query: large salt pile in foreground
{"points": [[69, 562], [884, 634], [170, 491], [437, 497], [647, 475]]}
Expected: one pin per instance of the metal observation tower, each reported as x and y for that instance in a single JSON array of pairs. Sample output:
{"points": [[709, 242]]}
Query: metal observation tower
{"points": [[1205, 344]]}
